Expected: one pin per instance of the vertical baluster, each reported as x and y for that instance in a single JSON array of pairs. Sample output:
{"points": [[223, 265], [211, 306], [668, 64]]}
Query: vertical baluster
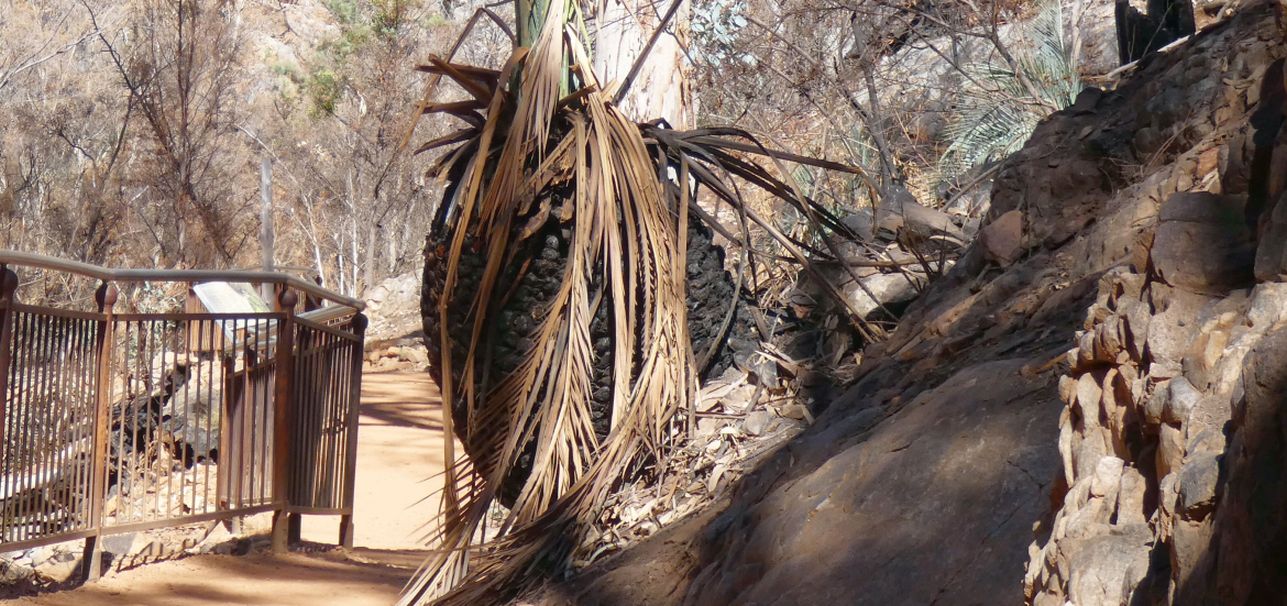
{"points": [[93, 555], [43, 422], [303, 463], [24, 423], [85, 438], [56, 417], [358, 326], [131, 459], [328, 361], [211, 408], [245, 419], [191, 396], [257, 436], [250, 418], [224, 468], [8, 297]]}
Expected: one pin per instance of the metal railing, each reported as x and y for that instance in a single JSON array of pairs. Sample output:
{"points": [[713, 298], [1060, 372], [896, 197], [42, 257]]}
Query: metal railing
{"points": [[122, 422]]}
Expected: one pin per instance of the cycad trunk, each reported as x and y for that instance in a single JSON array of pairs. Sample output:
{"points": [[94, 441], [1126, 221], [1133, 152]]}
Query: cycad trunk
{"points": [[534, 279]]}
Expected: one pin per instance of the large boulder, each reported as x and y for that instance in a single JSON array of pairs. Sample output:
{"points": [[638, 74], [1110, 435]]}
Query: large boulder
{"points": [[944, 492], [1203, 243]]}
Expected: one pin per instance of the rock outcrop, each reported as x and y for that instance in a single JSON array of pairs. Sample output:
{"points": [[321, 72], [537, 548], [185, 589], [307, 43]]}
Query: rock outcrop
{"points": [[1107, 370], [1172, 433], [393, 310]]}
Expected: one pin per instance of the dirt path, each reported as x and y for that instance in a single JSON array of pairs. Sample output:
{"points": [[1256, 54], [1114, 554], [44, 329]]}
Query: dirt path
{"points": [[399, 448]]}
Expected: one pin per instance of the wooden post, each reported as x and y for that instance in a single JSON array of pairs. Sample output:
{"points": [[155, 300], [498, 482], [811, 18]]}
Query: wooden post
{"points": [[93, 556], [350, 454], [8, 296], [283, 395]]}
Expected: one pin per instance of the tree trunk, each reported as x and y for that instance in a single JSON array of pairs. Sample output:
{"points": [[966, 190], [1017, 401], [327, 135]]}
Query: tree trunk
{"points": [[661, 89], [266, 232]]}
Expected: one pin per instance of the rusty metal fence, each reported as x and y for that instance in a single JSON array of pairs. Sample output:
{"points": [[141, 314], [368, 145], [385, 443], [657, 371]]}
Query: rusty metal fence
{"points": [[121, 422]]}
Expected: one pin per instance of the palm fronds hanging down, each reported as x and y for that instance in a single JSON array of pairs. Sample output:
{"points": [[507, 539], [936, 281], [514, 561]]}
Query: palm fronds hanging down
{"points": [[544, 145]]}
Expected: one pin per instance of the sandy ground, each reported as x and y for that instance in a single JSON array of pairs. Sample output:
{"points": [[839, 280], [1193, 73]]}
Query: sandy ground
{"points": [[399, 449]]}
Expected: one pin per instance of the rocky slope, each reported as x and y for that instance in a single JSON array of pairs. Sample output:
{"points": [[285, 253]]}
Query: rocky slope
{"points": [[1172, 437], [1104, 366]]}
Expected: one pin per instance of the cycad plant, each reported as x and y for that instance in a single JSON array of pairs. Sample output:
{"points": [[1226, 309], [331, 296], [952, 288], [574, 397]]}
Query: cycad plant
{"points": [[1000, 105], [555, 196]]}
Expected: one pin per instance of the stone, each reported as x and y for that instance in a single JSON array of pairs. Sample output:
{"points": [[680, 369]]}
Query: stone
{"points": [[1170, 449], [1190, 542], [1110, 340], [1088, 451], [1130, 497], [903, 213], [1268, 305], [51, 555], [393, 309], [1167, 497], [1197, 486], [1251, 563], [1156, 402], [1066, 433], [120, 543], [887, 288], [1182, 398], [1136, 319], [1271, 253], [1173, 325], [193, 414], [860, 222], [1089, 394], [1002, 239], [1203, 244], [13, 572], [1208, 441], [1100, 565], [894, 498], [756, 422], [1108, 475]]}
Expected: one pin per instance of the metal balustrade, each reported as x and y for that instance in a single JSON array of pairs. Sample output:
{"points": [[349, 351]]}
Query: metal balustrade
{"points": [[121, 422]]}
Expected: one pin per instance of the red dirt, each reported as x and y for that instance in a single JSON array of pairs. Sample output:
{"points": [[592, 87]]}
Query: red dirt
{"points": [[399, 449]]}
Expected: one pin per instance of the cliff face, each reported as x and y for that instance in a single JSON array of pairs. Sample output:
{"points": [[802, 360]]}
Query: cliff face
{"points": [[1106, 366]]}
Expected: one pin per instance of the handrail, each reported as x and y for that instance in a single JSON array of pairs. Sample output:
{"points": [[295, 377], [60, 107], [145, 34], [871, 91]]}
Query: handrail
{"points": [[36, 260], [268, 400]]}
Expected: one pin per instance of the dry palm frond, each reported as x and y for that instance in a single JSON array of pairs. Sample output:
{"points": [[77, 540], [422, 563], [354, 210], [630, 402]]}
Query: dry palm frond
{"points": [[534, 152]]}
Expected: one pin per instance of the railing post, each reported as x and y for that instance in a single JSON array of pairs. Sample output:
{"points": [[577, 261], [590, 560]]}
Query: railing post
{"points": [[93, 556], [283, 399], [350, 455], [8, 296]]}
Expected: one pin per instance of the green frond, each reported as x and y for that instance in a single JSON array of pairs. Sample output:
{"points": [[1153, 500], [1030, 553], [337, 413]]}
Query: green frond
{"points": [[996, 110]]}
